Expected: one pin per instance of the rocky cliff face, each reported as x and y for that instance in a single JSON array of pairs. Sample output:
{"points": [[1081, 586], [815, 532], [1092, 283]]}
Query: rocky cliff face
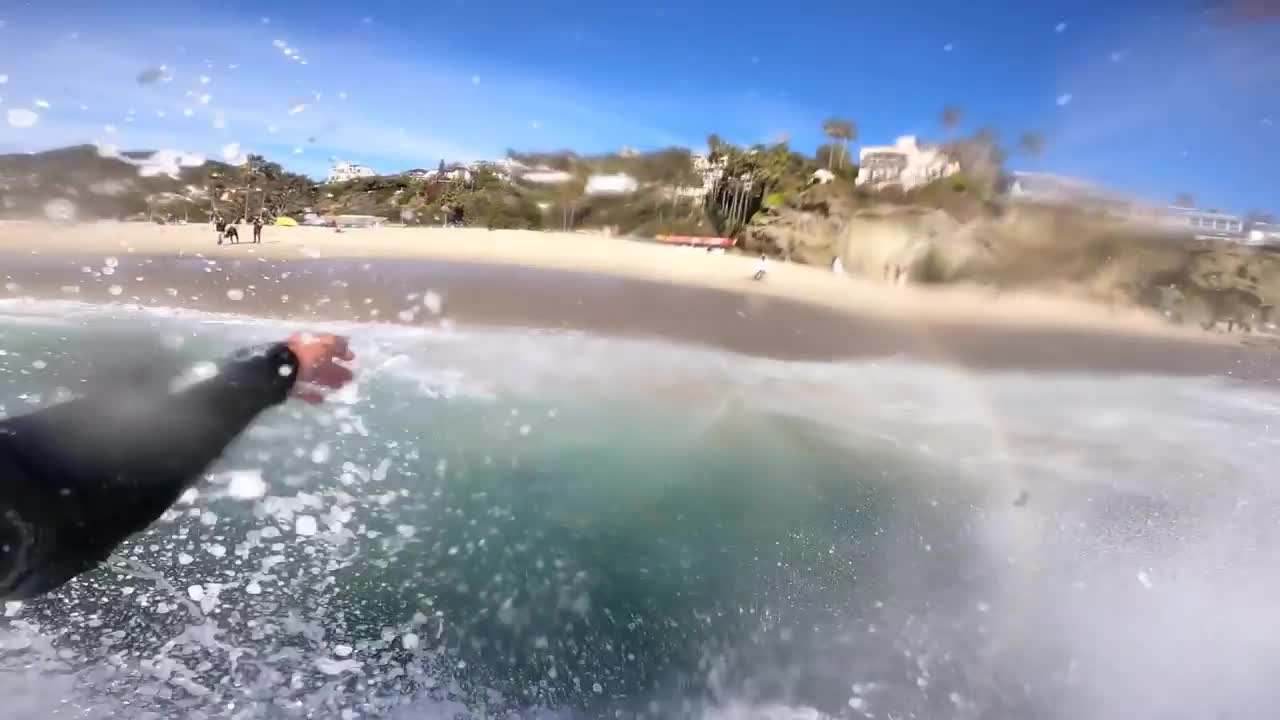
{"points": [[1065, 251]]}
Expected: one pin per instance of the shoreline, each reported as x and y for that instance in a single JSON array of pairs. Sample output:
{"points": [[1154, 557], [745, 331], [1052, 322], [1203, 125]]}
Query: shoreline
{"points": [[406, 291], [602, 255]]}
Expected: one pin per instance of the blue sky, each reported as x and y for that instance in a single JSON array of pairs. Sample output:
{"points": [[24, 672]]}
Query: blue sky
{"points": [[1153, 99]]}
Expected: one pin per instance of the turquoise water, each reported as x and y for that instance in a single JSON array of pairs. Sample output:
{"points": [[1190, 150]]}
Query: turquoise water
{"points": [[501, 523]]}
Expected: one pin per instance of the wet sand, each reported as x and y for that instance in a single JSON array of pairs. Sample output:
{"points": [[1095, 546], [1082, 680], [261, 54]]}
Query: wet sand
{"points": [[313, 291]]}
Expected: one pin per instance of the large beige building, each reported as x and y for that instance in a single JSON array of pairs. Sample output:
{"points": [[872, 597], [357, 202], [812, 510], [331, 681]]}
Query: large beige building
{"points": [[905, 163]]}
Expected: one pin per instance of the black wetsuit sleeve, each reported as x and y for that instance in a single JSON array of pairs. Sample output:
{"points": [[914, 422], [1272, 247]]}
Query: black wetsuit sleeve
{"points": [[79, 478]]}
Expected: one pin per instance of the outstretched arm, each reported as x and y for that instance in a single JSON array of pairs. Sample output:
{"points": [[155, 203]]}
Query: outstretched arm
{"points": [[77, 479]]}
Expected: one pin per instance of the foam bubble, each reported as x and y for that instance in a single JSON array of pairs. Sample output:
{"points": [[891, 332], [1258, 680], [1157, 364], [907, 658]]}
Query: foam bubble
{"points": [[305, 525], [329, 666], [246, 485], [432, 301], [59, 210]]}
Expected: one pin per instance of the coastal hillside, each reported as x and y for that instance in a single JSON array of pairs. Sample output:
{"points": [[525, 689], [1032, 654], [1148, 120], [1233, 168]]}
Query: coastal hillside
{"points": [[87, 182], [958, 229], [1010, 246]]}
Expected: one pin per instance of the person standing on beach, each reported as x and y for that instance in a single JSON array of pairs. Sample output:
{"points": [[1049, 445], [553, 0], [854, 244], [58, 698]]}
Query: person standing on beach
{"points": [[762, 267], [77, 479], [257, 230]]}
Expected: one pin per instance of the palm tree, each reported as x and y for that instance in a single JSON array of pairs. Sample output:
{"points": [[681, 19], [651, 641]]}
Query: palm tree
{"points": [[250, 172], [715, 147], [841, 130], [1032, 144], [952, 115], [776, 163]]}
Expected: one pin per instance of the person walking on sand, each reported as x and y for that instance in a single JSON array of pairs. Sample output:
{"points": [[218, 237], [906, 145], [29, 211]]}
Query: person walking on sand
{"points": [[79, 478], [257, 230], [220, 226], [762, 268]]}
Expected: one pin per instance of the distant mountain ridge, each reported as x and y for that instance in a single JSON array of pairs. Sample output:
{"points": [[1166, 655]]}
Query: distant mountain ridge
{"points": [[99, 184]]}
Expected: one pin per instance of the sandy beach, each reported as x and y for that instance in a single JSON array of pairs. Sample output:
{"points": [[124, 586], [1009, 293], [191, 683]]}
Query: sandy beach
{"points": [[598, 284]]}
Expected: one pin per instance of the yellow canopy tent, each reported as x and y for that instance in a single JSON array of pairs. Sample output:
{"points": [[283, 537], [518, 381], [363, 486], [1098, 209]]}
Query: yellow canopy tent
{"points": [[284, 221]]}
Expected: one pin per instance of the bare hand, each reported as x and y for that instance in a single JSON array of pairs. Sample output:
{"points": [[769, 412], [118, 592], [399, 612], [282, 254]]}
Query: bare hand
{"points": [[317, 369]]}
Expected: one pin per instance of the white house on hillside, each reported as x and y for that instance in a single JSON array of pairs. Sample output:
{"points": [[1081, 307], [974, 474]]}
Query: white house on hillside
{"points": [[1264, 233], [1056, 190], [503, 169], [617, 184], [342, 172], [1205, 224], [547, 176], [903, 163], [451, 173]]}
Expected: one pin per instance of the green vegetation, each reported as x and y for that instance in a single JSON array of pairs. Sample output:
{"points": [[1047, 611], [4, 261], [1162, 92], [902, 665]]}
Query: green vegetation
{"points": [[734, 187]]}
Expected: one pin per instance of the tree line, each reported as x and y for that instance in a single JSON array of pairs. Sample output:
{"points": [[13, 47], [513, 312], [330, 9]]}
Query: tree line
{"points": [[744, 179]]}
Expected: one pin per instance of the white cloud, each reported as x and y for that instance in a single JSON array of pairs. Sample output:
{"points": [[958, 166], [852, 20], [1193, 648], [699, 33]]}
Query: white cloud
{"points": [[22, 118], [1060, 27], [161, 162], [1064, 99]]}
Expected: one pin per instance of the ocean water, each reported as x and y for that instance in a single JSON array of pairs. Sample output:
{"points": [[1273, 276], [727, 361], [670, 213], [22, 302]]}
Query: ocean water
{"points": [[503, 523]]}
